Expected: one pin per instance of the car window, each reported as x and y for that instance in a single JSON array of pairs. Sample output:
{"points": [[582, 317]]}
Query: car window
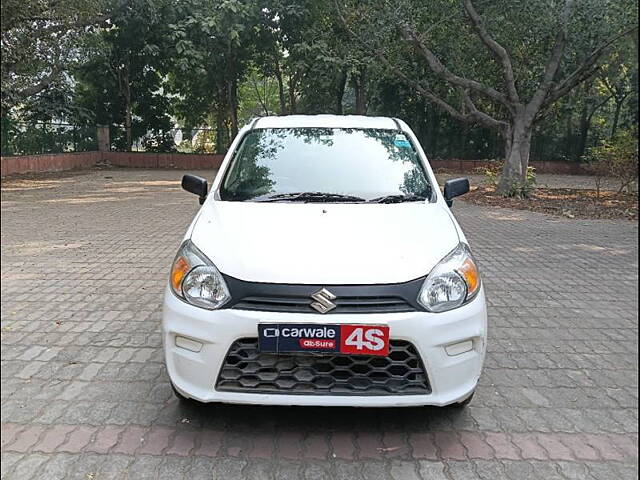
{"points": [[366, 164]]}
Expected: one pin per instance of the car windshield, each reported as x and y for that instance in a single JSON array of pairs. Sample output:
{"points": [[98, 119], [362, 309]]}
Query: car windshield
{"points": [[325, 165]]}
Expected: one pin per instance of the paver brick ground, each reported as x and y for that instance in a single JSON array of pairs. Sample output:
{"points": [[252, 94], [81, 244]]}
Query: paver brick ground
{"points": [[85, 395]]}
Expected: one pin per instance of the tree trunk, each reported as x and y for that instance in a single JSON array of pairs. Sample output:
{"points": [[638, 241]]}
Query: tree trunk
{"points": [[221, 120], [585, 120], [361, 93], [125, 91], [517, 151], [341, 83], [616, 117], [281, 97], [569, 142], [634, 81], [233, 106], [127, 120], [220, 130], [232, 91], [585, 124], [433, 125], [262, 97], [292, 94]]}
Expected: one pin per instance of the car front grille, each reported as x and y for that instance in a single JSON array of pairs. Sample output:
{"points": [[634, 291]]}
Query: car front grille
{"points": [[343, 304], [280, 297], [248, 370]]}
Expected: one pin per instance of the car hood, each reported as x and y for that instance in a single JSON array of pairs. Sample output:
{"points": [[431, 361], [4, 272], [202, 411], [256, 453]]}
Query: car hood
{"points": [[328, 244]]}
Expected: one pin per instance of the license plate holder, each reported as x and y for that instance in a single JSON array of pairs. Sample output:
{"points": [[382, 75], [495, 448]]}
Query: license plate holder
{"points": [[348, 339]]}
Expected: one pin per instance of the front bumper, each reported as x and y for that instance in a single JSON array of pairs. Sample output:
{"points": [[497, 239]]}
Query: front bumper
{"points": [[452, 377]]}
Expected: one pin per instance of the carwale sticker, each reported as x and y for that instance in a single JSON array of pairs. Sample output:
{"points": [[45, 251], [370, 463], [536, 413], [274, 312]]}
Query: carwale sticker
{"points": [[322, 338], [401, 141]]}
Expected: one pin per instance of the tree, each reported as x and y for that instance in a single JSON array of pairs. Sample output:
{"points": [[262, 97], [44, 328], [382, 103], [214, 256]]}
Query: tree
{"points": [[529, 80], [279, 31], [296, 51], [122, 80], [592, 100], [213, 45], [40, 42], [512, 97], [618, 158], [617, 79]]}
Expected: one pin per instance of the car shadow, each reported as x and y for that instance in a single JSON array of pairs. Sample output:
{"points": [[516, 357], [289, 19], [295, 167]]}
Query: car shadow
{"points": [[254, 418]]}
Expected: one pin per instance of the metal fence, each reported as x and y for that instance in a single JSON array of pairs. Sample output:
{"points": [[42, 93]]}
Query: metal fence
{"points": [[19, 138], [184, 140]]}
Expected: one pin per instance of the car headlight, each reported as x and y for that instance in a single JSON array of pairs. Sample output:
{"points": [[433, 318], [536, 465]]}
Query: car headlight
{"points": [[196, 280], [452, 283]]}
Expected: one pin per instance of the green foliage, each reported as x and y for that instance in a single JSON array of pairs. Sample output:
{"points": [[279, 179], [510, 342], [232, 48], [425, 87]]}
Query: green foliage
{"points": [[524, 189], [36, 138], [41, 41], [159, 142], [198, 141], [491, 172], [122, 76], [258, 95], [213, 44], [149, 66], [617, 157]]}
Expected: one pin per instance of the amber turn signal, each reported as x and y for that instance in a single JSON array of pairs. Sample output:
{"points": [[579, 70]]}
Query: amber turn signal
{"points": [[471, 276], [178, 271]]}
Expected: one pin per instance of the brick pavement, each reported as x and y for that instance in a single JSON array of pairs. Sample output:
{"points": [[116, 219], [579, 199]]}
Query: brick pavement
{"points": [[85, 395]]}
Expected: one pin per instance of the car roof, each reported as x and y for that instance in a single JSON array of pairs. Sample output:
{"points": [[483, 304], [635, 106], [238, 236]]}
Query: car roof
{"points": [[326, 121]]}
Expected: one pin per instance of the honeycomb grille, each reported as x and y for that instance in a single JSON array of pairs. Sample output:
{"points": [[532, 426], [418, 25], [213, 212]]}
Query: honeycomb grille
{"points": [[245, 369]]}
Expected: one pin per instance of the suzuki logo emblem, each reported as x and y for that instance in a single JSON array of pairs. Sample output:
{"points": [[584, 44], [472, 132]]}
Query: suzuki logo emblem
{"points": [[323, 303]]}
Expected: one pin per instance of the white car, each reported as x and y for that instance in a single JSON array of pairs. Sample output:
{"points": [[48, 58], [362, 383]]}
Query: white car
{"points": [[325, 268]]}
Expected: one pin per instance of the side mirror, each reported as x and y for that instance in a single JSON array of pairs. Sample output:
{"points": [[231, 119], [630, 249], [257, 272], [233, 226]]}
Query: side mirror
{"points": [[197, 185], [454, 188]]}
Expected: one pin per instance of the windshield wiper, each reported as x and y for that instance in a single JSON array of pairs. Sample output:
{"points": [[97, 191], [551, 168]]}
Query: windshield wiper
{"points": [[308, 197], [398, 199]]}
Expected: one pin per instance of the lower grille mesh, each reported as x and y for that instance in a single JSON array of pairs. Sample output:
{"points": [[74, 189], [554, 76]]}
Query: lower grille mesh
{"points": [[245, 369]]}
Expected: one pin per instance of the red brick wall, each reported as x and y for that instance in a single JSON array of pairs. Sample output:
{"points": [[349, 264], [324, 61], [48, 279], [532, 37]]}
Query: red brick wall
{"points": [[68, 161], [47, 163], [163, 160]]}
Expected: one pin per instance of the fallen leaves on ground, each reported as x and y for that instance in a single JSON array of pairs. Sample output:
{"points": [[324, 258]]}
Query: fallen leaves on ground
{"points": [[563, 202]]}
